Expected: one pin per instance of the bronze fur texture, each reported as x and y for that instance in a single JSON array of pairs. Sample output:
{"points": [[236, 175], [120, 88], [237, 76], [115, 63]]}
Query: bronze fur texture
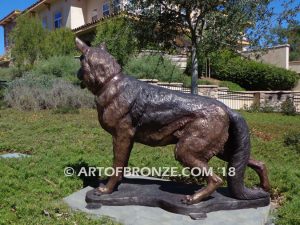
{"points": [[200, 127]]}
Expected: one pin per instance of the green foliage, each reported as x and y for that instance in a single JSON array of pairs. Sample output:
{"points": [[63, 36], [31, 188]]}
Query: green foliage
{"points": [[232, 86], [154, 67], [32, 42], [65, 67], [33, 92], [292, 139], [251, 75], [8, 74], [119, 38], [59, 42], [261, 108], [290, 35], [288, 108], [28, 37]]}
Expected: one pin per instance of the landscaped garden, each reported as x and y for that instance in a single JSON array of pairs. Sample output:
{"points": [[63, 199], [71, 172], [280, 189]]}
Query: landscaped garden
{"points": [[45, 114], [32, 188]]}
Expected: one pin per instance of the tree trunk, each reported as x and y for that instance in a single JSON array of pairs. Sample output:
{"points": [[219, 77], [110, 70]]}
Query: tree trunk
{"points": [[194, 81]]}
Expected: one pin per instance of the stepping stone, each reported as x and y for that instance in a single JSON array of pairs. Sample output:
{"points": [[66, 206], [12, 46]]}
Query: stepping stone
{"points": [[13, 155]]}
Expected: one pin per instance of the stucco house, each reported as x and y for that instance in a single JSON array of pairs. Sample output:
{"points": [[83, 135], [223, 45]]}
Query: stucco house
{"points": [[82, 16]]}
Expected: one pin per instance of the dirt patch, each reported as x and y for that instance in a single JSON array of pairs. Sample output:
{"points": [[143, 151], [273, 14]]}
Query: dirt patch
{"points": [[262, 135]]}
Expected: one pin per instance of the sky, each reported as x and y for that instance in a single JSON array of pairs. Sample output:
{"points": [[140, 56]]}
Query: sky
{"points": [[6, 6]]}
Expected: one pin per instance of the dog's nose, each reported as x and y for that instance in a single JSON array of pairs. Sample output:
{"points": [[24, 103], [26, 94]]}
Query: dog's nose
{"points": [[80, 74]]}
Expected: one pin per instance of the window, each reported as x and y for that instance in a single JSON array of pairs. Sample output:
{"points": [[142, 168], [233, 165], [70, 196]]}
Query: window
{"points": [[45, 22], [94, 15], [58, 20], [105, 9], [117, 6]]}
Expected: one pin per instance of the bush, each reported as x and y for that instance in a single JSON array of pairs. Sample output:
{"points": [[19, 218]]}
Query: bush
{"points": [[59, 42], [32, 42], [43, 92], [65, 67], [8, 74], [260, 108], [118, 35], [155, 67], [251, 75], [288, 108], [28, 36], [292, 139]]}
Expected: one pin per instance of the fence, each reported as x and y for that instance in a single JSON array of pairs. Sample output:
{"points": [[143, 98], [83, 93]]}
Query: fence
{"points": [[240, 99], [236, 100]]}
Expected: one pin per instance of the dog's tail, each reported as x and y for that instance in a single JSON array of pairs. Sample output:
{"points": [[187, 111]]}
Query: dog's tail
{"points": [[239, 148]]}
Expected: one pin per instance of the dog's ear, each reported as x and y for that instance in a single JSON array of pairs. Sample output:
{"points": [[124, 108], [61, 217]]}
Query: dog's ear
{"points": [[103, 46], [81, 46]]}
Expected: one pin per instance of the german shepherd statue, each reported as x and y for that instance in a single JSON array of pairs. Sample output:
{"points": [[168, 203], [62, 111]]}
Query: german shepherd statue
{"points": [[200, 127]]}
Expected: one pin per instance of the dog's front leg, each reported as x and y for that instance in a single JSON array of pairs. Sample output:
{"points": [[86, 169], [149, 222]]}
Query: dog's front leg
{"points": [[122, 145]]}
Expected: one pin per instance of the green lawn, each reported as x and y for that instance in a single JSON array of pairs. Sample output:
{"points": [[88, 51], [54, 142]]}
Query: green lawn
{"points": [[31, 189]]}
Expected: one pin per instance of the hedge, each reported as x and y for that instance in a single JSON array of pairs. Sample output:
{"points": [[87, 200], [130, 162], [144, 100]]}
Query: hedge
{"points": [[252, 75]]}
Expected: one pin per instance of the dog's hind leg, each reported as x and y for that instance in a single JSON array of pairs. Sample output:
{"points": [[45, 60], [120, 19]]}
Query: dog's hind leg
{"points": [[199, 142], [185, 154], [260, 168]]}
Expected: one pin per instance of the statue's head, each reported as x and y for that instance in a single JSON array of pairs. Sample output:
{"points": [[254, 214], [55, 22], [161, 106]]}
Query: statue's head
{"points": [[97, 66]]}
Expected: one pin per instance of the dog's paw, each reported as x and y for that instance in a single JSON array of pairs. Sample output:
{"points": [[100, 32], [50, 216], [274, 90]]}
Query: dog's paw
{"points": [[102, 190], [188, 199]]}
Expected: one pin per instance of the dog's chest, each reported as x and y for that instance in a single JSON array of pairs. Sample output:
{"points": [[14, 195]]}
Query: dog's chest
{"points": [[110, 114]]}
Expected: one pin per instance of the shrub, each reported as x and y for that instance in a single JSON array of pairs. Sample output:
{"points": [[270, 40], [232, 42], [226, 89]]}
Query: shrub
{"points": [[28, 36], [292, 139], [65, 67], [43, 92], [288, 108], [260, 108], [7, 74], [59, 42], [155, 67], [118, 35], [32, 42], [251, 75]]}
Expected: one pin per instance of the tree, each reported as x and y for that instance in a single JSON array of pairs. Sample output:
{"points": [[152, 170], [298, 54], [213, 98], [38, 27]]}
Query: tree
{"points": [[32, 42], [290, 35], [119, 36], [59, 42], [208, 24], [27, 38]]}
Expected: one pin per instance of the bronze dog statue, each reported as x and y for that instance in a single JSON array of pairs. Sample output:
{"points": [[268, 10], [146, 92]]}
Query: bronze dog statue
{"points": [[200, 127]]}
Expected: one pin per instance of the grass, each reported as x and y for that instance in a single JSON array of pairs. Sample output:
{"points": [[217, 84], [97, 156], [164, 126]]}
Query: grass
{"points": [[32, 189]]}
